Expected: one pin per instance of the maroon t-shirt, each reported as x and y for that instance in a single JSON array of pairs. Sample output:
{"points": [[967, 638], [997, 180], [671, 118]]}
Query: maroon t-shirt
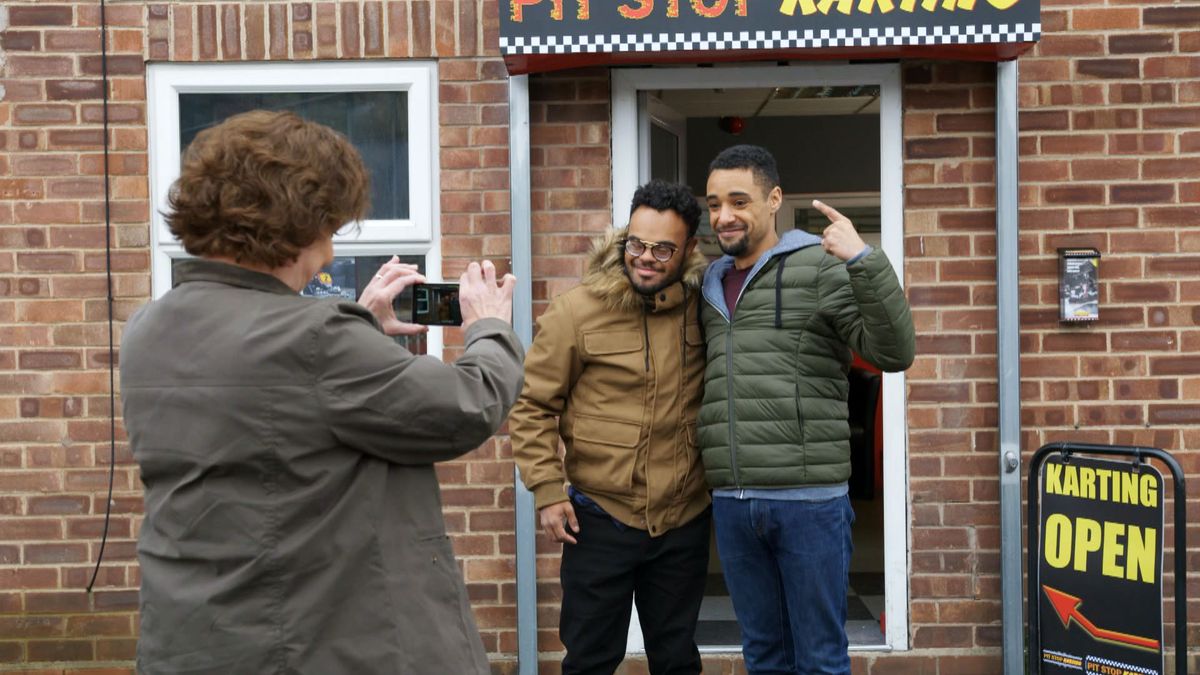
{"points": [[734, 278]]}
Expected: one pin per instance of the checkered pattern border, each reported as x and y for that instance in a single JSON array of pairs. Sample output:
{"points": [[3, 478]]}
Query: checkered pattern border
{"points": [[771, 40]]}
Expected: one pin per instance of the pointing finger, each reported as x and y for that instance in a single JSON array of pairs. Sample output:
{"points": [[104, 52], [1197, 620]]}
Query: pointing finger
{"points": [[830, 212]]}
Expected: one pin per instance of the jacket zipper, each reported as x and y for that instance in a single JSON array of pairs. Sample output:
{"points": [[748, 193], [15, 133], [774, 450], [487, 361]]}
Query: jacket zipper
{"points": [[733, 465], [737, 481], [646, 334]]}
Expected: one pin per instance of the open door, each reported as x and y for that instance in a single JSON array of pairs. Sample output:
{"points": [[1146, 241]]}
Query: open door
{"points": [[806, 115]]}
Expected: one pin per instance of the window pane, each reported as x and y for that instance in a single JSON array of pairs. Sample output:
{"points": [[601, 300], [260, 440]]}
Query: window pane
{"points": [[347, 276], [376, 122], [664, 154]]}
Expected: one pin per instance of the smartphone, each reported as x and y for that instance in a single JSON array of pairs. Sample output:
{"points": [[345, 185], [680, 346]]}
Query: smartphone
{"points": [[436, 305]]}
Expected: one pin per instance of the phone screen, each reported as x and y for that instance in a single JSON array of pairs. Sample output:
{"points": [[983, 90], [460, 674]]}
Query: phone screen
{"points": [[436, 305]]}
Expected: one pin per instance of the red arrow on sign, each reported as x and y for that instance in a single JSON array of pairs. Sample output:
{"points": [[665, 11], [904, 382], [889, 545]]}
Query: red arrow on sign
{"points": [[1067, 608]]}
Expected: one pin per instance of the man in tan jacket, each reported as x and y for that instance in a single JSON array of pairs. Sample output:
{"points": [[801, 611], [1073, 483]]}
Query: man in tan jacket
{"points": [[615, 372]]}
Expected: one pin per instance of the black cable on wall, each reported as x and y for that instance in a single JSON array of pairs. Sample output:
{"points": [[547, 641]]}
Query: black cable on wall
{"points": [[112, 351]]}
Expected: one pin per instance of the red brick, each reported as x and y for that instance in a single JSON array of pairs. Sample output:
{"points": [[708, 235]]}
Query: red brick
{"points": [[42, 15], [1187, 16], [58, 505], [930, 197], [1105, 218], [326, 30], [398, 33], [1060, 44], [373, 27], [1173, 67], [351, 34], [1044, 120], [95, 626], [1074, 194], [31, 626], [1111, 118], [73, 139], [60, 650], [1167, 118], [937, 148], [1139, 144], [1142, 193], [1127, 18], [206, 32], [1142, 292], [1160, 92], [1171, 216], [73, 90], [43, 114], [1104, 169], [1174, 415], [468, 42], [50, 554], [1075, 144], [118, 64], [1141, 43], [20, 41]]}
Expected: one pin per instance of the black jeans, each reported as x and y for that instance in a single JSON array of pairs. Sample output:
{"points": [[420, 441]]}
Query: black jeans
{"points": [[612, 566]]}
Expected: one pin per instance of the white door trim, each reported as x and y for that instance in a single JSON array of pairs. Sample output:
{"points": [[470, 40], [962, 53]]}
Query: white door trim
{"points": [[626, 176]]}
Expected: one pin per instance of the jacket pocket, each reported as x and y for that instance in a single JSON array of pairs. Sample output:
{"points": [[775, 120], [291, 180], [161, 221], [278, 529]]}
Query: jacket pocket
{"points": [[685, 459], [604, 342], [603, 453]]}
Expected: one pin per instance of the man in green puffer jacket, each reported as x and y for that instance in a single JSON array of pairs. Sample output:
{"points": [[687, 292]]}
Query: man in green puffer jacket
{"points": [[781, 316]]}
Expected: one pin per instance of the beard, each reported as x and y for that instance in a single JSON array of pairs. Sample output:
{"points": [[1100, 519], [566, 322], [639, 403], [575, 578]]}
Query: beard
{"points": [[652, 287], [735, 248]]}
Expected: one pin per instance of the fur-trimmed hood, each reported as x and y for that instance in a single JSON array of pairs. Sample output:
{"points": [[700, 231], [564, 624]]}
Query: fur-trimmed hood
{"points": [[606, 275]]}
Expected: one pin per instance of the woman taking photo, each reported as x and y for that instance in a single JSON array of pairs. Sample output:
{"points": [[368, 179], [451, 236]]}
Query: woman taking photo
{"points": [[287, 444]]}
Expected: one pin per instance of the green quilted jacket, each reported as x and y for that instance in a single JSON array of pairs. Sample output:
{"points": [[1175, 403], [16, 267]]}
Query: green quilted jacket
{"points": [[774, 413]]}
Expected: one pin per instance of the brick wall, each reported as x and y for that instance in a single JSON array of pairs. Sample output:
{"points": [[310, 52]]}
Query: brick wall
{"points": [[1109, 158], [54, 382]]}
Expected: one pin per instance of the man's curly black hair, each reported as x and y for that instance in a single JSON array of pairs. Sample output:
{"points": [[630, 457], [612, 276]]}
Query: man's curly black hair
{"points": [[758, 160], [661, 195]]}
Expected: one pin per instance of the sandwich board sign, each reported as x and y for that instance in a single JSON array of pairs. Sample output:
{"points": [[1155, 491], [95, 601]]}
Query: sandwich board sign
{"points": [[1100, 562]]}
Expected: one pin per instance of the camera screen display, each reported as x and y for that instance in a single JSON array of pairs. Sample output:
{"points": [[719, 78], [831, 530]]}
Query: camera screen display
{"points": [[436, 305]]}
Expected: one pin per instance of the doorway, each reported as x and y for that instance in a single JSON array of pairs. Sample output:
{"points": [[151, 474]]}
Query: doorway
{"points": [[835, 133]]}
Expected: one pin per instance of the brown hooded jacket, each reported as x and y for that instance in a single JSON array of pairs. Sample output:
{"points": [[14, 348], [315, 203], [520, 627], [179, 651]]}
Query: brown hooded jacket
{"points": [[617, 376]]}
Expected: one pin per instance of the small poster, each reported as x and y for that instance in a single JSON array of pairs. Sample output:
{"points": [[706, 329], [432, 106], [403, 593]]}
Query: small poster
{"points": [[1079, 284], [335, 280]]}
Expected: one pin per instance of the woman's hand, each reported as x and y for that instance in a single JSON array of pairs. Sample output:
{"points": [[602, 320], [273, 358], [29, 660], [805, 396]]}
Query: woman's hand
{"points": [[391, 279], [480, 297]]}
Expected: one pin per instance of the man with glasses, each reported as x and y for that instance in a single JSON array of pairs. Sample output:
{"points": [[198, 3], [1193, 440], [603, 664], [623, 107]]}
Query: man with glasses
{"points": [[615, 373]]}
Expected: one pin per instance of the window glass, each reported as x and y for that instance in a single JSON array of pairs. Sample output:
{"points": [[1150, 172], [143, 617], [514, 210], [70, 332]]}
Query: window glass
{"points": [[347, 276], [376, 122]]}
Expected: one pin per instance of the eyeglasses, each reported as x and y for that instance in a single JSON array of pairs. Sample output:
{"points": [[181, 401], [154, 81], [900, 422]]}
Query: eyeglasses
{"points": [[661, 251]]}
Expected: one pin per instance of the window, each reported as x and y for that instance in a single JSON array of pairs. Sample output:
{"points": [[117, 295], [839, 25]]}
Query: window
{"points": [[387, 110]]}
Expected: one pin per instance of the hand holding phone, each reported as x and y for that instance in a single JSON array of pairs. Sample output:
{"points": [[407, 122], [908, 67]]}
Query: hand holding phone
{"points": [[481, 297], [384, 289]]}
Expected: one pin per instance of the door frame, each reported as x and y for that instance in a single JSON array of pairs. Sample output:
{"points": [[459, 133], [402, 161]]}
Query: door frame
{"points": [[629, 121]]}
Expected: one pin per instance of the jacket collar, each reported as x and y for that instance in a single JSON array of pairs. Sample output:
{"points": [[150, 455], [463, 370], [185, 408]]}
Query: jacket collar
{"points": [[199, 269], [606, 277], [714, 292]]}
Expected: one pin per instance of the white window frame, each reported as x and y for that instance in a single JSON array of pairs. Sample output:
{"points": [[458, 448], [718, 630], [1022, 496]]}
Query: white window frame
{"points": [[415, 236], [627, 121]]}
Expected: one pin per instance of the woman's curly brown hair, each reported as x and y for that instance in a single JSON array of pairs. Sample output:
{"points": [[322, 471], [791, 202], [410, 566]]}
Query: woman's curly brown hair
{"points": [[261, 186]]}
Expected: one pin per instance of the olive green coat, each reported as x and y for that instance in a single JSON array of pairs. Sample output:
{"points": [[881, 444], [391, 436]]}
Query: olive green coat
{"points": [[774, 413]]}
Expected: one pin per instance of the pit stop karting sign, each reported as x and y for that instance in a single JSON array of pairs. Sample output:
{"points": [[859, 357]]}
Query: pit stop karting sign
{"points": [[1100, 567]]}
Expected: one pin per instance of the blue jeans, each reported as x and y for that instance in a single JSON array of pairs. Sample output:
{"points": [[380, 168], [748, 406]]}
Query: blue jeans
{"points": [[786, 564]]}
